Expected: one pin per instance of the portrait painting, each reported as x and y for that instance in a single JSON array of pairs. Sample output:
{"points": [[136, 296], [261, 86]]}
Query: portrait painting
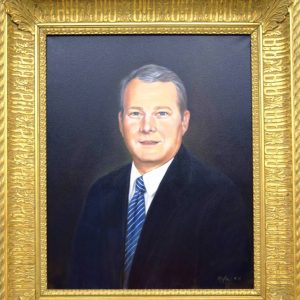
{"points": [[84, 143]]}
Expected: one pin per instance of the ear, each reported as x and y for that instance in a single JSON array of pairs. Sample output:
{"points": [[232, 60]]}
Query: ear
{"points": [[185, 121], [120, 118]]}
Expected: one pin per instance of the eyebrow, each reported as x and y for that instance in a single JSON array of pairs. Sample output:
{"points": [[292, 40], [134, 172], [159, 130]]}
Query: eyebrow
{"points": [[162, 107], [135, 107], [155, 108]]}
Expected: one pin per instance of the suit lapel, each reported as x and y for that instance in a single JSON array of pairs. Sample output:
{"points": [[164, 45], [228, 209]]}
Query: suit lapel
{"points": [[118, 202], [166, 201]]}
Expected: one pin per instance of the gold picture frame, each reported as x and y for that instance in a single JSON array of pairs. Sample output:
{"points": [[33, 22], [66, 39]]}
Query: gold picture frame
{"points": [[275, 50]]}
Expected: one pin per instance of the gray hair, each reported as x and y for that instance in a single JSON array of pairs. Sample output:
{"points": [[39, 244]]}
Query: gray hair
{"points": [[154, 73]]}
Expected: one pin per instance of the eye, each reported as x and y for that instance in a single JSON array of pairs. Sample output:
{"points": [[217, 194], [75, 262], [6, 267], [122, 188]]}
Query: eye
{"points": [[135, 114], [162, 114]]}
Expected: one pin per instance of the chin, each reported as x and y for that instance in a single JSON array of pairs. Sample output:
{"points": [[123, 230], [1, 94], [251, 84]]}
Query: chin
{"points": [[149, 159]]}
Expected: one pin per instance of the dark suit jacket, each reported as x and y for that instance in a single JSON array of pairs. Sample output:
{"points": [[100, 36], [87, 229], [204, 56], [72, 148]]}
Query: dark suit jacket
{"points": [[196, 233]]}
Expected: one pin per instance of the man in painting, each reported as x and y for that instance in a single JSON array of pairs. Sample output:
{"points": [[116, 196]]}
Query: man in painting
{"points": [[166, 220]]}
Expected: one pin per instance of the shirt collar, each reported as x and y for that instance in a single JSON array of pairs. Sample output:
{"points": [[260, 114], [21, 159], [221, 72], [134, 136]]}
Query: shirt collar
{"points": [[151, 179]]}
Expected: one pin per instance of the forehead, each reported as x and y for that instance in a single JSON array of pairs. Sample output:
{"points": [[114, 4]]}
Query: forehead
{"points": [[150, 92]]}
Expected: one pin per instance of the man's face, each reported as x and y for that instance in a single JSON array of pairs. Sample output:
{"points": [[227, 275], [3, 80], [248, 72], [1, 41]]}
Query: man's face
{"points": [[151, 123]]}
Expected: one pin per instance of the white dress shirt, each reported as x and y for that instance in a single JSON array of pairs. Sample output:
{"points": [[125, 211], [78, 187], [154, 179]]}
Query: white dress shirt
{"points": [[151, 179]]}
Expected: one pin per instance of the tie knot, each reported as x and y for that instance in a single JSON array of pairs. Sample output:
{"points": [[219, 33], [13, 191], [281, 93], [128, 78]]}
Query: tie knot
{"points": [[139, 185]]}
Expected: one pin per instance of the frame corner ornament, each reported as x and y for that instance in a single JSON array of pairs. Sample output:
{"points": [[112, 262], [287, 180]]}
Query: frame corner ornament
{"points": [[24, 13], [274, 14]]}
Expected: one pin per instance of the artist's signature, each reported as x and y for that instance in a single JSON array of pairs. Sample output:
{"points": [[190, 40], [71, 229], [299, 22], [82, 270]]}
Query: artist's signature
{"points": [[226, 280]]}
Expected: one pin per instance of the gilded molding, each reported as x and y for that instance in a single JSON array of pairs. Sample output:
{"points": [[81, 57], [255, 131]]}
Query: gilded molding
{"points": [[276, 164], [296, 117], [24, 13], [278, 168], [42, 164], [20, 163], [148, 10], [257, 165], [143, 28], [2, 154]]}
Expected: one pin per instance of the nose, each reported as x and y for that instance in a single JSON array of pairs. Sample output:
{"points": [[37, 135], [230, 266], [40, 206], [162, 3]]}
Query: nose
{"points": [[148, 124]]}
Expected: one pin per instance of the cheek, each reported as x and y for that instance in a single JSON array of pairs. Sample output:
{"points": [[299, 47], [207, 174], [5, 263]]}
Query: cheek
{"points": [[130, 128], [170, 129]]}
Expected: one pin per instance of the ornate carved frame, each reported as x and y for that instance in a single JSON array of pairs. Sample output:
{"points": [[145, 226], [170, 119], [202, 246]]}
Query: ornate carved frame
{"points": [[274, 26]]}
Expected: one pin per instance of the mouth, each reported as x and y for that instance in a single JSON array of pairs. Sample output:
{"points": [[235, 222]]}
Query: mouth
{"points": [[149, 143]]}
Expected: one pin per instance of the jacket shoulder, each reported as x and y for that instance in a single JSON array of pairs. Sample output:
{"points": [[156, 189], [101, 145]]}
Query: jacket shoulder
{"points": [[201, 174], [110, 179]]}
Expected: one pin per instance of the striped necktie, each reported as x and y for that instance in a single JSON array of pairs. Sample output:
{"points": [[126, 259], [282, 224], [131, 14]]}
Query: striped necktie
{"points": [[135, 221]]}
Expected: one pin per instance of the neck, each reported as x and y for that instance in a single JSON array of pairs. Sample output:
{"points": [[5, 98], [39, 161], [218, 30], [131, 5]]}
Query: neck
{"points": [[144, 168]]}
